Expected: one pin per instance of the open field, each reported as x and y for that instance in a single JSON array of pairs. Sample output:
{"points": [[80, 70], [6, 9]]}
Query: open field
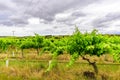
{"points": [[88, 56], [59, 40], [33, 67]]}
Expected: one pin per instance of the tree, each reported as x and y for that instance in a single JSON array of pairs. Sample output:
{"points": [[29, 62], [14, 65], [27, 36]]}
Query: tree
{"points": [[56, 47], [115, 44], [4, 45], [89, 43], [25, 44], [38, 42]]}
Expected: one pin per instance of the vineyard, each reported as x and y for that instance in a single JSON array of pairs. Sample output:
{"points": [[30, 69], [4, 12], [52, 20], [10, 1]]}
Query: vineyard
{"points": [[80, 56]]}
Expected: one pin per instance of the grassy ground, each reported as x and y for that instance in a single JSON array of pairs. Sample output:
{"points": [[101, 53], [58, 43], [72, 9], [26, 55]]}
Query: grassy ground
{"points": [[35, 70], [33, 67]]}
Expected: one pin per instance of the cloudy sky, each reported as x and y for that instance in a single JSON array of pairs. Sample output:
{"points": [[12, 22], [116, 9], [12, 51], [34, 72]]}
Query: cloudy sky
{"points": [[58, 17]]}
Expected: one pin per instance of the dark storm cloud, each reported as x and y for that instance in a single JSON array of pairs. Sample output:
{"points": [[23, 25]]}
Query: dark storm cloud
{"points": [[106, 20]]}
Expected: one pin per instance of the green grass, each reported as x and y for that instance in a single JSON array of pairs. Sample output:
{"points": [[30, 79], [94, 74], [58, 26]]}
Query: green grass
{"points": [[35, 70], [33, 67]]}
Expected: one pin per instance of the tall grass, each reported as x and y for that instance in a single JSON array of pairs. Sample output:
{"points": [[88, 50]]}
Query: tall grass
{"points": [[33, 67], [35, 70]]}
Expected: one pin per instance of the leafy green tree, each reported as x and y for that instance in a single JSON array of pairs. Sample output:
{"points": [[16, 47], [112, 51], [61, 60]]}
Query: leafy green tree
{"points": [[4, 45], [25, 44], [115, 44], [38, 42], [89, 43], [56, 48]]}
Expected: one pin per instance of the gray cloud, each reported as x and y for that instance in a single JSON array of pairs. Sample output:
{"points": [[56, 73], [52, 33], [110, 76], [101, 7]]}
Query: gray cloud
{"points": [[113, 32], [48, 9], [6, 22], [71, 18], [7, 9], [106, 20], [10, 21], [61, 13], [45, 9], [78, 14], [3, 7]]}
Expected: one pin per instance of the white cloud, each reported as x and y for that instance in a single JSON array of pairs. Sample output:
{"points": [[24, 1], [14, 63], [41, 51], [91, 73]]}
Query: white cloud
{"points": [[62, 16], [58, 16], [103, 7], [103, 15], [34, 21]]}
